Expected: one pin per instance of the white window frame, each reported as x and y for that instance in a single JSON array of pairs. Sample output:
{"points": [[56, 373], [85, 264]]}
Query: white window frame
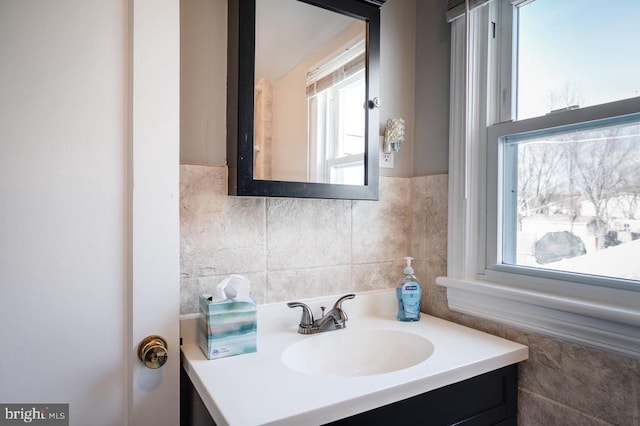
{"points": [[325, 132], [327, 156], [604, 315]]}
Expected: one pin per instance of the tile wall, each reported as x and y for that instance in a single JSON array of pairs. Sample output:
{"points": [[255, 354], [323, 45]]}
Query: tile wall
{"points": [[293, 248], [289, 248]]}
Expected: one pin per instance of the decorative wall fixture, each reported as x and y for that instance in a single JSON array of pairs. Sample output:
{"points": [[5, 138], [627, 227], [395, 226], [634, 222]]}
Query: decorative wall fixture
{"points": [[393, 135]]}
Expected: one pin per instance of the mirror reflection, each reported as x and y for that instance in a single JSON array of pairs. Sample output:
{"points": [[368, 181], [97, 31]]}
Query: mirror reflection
{"points": [[310, 94]]}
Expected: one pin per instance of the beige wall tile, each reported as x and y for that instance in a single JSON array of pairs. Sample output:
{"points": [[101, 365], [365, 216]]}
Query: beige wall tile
{"points": [[221, 235], [382, 229], [308, 282], [305, 233], [535, 410], [298, 247], [594, 382], [429, 237], [376, 276]]}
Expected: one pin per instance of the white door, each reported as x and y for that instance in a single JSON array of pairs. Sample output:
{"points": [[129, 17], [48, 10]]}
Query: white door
{"points": [[154, 249], [155, 270], [89, 249]]}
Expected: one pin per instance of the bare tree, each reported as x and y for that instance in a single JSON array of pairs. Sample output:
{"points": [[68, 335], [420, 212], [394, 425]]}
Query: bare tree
{"points": [[603, 160], [599, 165], [543, 175], [564, 96], [630, 203], [538, 167]]}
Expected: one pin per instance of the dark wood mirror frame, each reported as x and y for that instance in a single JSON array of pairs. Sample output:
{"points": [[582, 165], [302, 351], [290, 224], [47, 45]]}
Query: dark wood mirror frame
{"points": [[240, 106]]}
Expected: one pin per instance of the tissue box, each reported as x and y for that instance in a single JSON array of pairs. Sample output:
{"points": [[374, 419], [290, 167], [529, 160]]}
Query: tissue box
{"points": [[227, 327]]}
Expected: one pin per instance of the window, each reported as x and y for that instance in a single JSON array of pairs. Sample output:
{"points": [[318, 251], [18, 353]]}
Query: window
{"points": [[567, 196], [571, 199], [544, 220]]}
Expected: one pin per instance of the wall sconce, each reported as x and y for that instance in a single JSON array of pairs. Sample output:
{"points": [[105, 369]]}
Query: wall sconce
{"points": [[393, 135]]}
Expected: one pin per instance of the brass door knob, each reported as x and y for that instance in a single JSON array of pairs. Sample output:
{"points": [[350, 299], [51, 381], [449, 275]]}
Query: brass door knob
{"points": [[152, 351]]}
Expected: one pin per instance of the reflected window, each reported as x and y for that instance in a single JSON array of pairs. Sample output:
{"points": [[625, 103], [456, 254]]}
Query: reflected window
{"points": [[336, 92]]}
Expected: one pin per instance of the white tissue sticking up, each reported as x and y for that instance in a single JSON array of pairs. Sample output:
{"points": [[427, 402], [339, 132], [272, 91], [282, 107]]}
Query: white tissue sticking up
{"points": [[234, 287]]}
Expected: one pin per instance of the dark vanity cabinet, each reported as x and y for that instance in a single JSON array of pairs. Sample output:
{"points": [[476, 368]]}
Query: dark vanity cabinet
{"points": [[487, 399], [302, 98], [484, 400], [193, 412]]}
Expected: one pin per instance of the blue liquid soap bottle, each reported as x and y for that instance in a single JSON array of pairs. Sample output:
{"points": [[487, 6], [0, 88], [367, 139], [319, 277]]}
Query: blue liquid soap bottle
{"points": [[408, 293]]}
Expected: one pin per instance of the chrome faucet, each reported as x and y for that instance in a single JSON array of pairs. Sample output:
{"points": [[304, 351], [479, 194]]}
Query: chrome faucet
{"points": [[335, 319]]}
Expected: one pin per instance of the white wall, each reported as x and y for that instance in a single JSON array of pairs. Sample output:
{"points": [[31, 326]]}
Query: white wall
{"points": [[203, 102], [397, 76], [63, 220], [433, 46], [289, 157]]}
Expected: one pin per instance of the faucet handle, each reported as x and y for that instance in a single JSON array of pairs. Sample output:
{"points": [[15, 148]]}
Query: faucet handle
{"points": [[307, 316], [338, 303]]}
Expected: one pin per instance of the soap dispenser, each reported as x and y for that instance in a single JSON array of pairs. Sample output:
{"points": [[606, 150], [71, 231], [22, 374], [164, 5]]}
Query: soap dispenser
{"points": [[408, 293]]}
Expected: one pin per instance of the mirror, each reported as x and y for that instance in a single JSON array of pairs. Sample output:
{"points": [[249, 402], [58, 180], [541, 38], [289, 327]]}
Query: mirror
{"points": [[310, 98], [301, 81]]}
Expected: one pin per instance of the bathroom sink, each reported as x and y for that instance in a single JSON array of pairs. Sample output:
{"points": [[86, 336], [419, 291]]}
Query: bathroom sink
{"points": [[357, 352], [374, 362]]}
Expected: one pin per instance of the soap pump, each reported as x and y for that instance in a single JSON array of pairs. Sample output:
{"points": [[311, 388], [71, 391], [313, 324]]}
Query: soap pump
{"points": [[408, 293]]}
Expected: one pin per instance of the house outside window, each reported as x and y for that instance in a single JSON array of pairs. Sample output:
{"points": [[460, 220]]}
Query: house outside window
{"points": [[545, 169]]}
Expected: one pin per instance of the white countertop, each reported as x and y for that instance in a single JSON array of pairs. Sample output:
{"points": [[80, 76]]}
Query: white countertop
{"points": [[257, 388]]}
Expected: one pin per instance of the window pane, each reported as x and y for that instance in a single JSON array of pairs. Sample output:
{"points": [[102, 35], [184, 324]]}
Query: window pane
{"points": [[572, 199], [576, 52], [352, 123], [348, 174]]}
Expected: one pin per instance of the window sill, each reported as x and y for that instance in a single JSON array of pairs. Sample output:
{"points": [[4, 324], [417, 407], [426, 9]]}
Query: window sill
{"points": [[608, 327]]}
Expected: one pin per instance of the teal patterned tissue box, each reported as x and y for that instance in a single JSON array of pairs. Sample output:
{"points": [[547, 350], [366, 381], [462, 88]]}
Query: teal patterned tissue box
{"points": [[227, 327]]}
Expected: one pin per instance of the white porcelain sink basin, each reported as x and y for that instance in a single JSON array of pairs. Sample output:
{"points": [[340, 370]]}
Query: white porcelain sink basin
{"points": [[357, 352]]}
